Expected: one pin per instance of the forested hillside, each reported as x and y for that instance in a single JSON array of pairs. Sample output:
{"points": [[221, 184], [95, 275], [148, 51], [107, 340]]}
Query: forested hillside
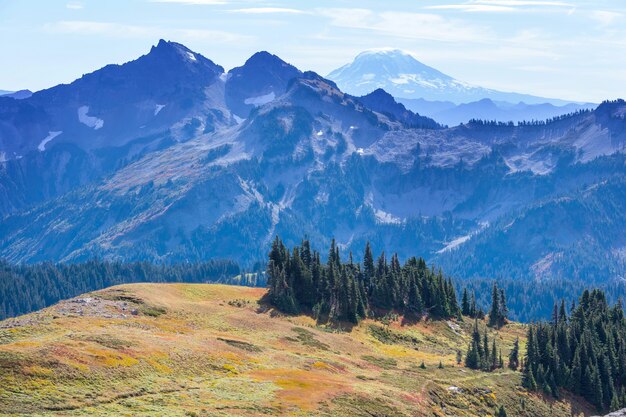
{"points": [[25, 288], [584, 352]]}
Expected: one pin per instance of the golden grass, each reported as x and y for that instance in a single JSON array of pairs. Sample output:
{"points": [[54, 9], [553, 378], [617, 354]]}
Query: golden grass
{"points": [[211, 350]]}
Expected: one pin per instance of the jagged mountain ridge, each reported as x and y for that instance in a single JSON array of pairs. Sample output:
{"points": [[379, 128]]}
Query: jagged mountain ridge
{"points": [[277, 134], [70, 135], [320, 162]]}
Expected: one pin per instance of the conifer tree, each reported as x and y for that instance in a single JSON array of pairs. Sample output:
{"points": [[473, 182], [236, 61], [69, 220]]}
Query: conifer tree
{"points": [[514, 356], [465, 304], [499, 311], [473, 308], [368, 268]]}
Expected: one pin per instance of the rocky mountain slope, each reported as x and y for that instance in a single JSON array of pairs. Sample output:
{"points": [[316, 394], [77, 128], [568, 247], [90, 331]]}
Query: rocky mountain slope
{"points": [[194, 164], [181, 349], [70, 135]]}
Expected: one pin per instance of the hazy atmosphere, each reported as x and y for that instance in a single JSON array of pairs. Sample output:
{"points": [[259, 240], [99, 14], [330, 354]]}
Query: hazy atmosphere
{"points": [[574, 50]]}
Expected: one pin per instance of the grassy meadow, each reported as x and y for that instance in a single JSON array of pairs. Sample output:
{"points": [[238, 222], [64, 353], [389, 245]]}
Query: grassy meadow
{"points": [[216, 350]]}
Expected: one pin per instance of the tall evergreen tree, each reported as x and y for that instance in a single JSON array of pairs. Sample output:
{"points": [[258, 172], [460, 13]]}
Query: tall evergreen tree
{"points": [[465, 304], [514, 356], [498, 312]]}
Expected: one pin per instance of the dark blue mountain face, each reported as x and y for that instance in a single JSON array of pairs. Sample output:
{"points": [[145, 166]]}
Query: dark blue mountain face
{"points": [[113, 105], [106, 119], [153, 160], [381, 101], [260, 80]]}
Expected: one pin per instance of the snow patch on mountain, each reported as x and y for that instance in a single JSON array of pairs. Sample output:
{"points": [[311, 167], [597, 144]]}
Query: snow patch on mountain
{"points": [[51, 135], [455, 243], [90, 121], [543, 265], [260, 100], [158, 108], [386, 218]]}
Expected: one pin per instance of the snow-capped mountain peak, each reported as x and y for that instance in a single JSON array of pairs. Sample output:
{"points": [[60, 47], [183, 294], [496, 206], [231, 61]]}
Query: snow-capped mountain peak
{"points": [[396, 71], [403, 76]]}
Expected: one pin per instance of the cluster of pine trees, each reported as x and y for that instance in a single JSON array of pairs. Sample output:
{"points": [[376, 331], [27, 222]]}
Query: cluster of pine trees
{"points": [[350, 291], [24, 288], [584, 352], [469, 307], [479, 353], [498, 313]]}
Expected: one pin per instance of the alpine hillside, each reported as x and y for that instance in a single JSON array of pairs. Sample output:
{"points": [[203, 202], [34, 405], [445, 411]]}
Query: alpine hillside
{"points": [[184, 350]]}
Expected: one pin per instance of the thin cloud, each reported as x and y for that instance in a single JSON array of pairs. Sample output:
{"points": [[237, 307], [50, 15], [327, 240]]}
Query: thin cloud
{"points": [[406, 25], [605, 18], [268, 10], [193, 2], [473, 8], [524, 3], [116, 30], [538, 69], [507, 6], [74, 6]]}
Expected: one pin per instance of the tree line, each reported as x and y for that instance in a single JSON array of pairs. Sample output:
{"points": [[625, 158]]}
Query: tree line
{"points": [[530, 300], [25, 288], [349, 291], [554, 119], [584, 352]]}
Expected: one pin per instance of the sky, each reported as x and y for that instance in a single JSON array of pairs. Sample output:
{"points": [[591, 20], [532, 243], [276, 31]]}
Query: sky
{"points": [[573, 50]]}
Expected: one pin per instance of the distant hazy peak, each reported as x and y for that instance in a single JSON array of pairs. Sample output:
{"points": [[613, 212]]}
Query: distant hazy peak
{"points": [[403, 76]]}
